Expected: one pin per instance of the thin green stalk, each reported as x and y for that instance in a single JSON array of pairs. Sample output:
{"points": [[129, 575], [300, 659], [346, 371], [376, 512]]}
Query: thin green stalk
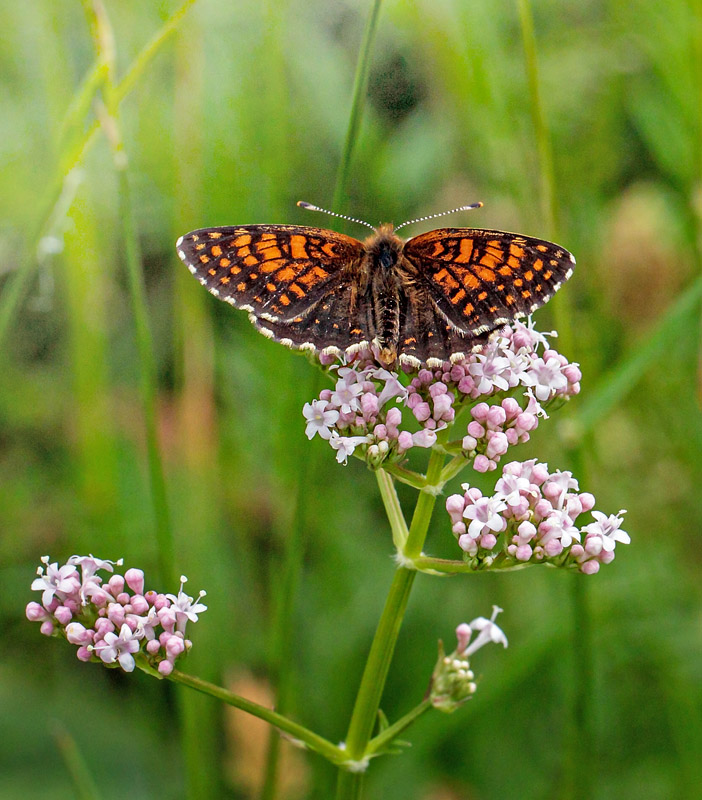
{"points": [[583, 781], [547, 180], [298, 732], [18, 282], [360, 87], [373, 681], [84, 784], [392, 509], [382, 740], [425, 506]]}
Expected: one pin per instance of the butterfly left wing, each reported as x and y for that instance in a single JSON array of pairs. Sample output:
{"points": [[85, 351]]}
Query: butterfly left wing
{"points": [[276, 272], [481, 279]]}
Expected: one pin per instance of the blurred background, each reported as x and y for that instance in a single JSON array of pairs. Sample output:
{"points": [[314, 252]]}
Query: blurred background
{"points": [[232, 113]]}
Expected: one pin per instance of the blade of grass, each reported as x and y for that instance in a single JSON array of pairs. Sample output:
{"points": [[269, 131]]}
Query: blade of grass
{"points": [[84, 784], [360, 88], [18, 282]]}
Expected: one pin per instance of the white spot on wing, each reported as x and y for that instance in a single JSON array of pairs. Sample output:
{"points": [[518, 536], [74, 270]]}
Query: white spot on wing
{"points": [[179, 242]]}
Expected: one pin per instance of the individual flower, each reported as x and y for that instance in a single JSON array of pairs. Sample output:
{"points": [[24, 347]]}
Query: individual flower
{"points": [[115, 622]]}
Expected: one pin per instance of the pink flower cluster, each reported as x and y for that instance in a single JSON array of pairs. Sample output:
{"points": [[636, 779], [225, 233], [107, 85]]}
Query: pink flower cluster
{"points": [[365, 409], [115, 620], [533, 517], [362, 412]]}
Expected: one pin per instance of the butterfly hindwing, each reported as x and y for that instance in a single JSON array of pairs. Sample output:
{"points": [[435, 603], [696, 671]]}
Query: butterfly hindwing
{"points": [[481, 279]]}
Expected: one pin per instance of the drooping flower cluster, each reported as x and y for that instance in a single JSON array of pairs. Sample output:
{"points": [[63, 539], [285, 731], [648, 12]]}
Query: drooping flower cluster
{"points": [[453, 681], [507, 385], [113, 621], [533, 517]]}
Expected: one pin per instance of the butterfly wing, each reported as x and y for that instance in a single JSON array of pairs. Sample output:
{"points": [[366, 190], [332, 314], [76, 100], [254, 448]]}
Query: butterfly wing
{"points": [[481, 279], [276, 272]]}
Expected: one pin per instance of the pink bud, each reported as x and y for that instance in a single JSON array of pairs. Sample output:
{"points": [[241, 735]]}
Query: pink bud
{"points": [[116, 584], [380, 432], [100, 598], [488, 541], [466, 385], [326, 395], [63, 615], [175, 646], [577, 551], [572, 373], [543, 508], [404, 441], [587, 501], [153, 646], [590, 567], [512, 436], [481, 463], [497, 446], [79, 634], [463, 635], [468, 544], [480, 411], [422, 411], [35, 612], [458, 528], [607, 556], [476, 430], [139, 604], [526, 422], [425, 376], [457, 372], [165, 667], [455, 504], [437, 388], [394, 417], [523, 552], [496, 416], [553, 548], [135, 580], [469, 443], [84, 654], [511, 407], [47, 628]]}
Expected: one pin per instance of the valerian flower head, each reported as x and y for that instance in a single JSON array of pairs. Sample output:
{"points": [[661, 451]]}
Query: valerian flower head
{"points": [[533, 517], [507, 385], [453, 681], [114, 622]]}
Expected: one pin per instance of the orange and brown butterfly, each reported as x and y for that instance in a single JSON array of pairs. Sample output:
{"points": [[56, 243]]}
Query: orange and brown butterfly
{"points": [[425, 300]]}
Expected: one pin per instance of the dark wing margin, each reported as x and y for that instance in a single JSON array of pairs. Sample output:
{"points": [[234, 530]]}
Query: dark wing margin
{"points": [[482, 279], [275, 272]]}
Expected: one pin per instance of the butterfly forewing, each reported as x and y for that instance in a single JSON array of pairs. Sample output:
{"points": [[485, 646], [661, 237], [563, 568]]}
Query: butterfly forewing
{"points": [[278, 272], [481, 279]]}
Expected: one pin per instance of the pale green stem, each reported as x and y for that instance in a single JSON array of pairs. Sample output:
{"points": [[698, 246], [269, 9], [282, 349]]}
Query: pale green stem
{"points": [[383, 739], [392, 509]]}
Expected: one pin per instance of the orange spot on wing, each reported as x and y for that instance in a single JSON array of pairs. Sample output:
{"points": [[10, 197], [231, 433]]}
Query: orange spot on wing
{"points": [[215, 234], [529, 275], [273, 264], [204, 259], [242, 241], [466, 251], [297, 289], [538, 265], [298, 247], [542, 248], [284, 299], [446, 280], [547, 275], [225, 280], [241, 287], [271, 287], [286, 274], [216, 250], [328, 249], [485, 274], [517, 252], [235, 270], [489, 260], [224, 262], [250, 261], [212, 271], [482, 295]]}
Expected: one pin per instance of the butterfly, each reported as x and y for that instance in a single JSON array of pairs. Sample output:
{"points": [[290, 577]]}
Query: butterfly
{"points": [[435, 297]]}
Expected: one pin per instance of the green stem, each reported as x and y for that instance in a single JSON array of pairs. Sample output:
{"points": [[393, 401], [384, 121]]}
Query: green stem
{"points": [[382, 740], [349, 785], [313, 741], [425, 506], [582, 781], [392, 509], [360, 87], [373, 681], [407, 476]]}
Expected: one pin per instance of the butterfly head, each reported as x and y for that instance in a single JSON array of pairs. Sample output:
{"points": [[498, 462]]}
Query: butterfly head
{"points": [[384, 246]]}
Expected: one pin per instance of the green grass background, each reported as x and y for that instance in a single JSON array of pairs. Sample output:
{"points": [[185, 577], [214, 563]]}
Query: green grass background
{"points": [[243, 110]]}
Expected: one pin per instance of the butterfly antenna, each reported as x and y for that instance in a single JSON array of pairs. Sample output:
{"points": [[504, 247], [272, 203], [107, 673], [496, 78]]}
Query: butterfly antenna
{"points": [[442, 214], [310, 207]]}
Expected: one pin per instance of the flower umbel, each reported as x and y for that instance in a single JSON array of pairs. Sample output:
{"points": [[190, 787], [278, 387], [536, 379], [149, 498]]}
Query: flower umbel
{"points": [[507, 385], [116, 622], [453, 681], [533, 517]]}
